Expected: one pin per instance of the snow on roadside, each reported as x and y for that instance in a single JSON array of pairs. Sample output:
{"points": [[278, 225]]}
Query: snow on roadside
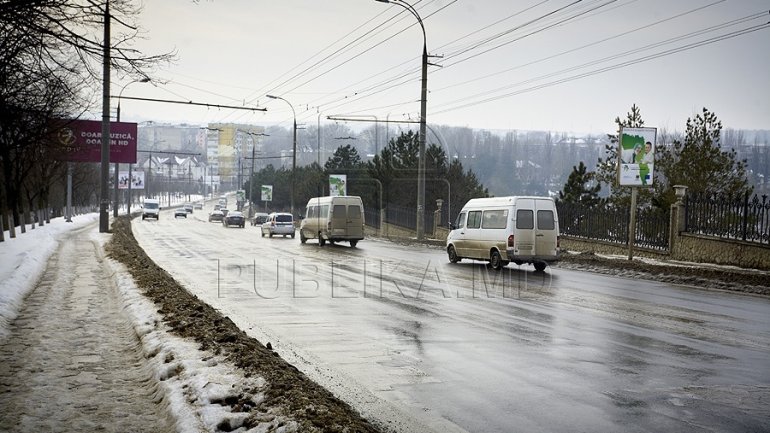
{"points": [[196, 383], [23, 260]]}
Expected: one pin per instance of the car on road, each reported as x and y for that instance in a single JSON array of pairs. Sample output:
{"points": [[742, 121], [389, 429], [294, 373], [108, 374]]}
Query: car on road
{"points": [[180, 212], [234, 218], [259, 219], [279, 223], [198, 205], [188, 207], [216, 216], [151, 208]]}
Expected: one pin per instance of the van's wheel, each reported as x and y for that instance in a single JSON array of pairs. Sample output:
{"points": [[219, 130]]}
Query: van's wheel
{"points": [[453, 257], [321, 241], [353, 243], [496, 261], [302, 237], [540, 266]]}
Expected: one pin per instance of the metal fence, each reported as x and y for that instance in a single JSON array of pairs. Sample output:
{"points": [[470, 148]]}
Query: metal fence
{"points": [[743, 218], [610, 224]]}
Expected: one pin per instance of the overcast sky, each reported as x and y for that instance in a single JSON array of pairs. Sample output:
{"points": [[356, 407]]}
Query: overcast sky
{"points": [[526, 65]]}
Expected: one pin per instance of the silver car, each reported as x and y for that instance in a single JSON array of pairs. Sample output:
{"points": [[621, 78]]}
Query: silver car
{"points": [[278, 223]]}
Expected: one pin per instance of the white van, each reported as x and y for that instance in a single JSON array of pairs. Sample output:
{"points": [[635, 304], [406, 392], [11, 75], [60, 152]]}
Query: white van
{"points": [[333, 219], [151, 208], [506, 229]]}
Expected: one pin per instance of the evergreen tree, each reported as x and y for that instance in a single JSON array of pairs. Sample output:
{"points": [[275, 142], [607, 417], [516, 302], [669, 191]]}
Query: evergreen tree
{"points": [[700, 163], [607, 167], [576, 190]]}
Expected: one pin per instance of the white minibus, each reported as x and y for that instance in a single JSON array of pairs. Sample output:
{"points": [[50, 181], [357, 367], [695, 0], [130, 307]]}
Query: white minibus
{"points": [[333, 219], [518, 229]]}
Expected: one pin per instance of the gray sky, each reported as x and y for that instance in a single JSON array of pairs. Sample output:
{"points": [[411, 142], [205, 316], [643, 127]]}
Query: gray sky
{"points": [[523, 65]]}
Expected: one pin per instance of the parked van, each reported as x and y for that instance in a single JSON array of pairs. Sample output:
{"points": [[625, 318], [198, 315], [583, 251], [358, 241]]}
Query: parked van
{"points": [[506, 229], [151, 208], [333, 219]]}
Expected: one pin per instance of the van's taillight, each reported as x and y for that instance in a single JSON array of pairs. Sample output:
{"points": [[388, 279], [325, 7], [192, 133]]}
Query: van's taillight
{"points": [[510, 241]]}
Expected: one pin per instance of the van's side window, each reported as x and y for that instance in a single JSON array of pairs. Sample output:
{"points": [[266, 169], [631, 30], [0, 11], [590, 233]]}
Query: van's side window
{"points": [[312, 211], [545, 220], [494, 219], [474, 219], [324, 213], [460, 222], [525, 219]]}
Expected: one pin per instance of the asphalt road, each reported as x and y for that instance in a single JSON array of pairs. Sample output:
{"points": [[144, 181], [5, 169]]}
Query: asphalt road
{"points": [[396, 330]]}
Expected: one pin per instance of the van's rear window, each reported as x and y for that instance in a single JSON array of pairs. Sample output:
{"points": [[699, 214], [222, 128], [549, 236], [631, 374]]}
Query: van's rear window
{"points": [[545, 220], [525, 219]]}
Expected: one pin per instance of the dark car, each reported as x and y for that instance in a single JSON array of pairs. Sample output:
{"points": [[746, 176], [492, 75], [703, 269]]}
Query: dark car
{"points": [[234, 218], [216, 215]]}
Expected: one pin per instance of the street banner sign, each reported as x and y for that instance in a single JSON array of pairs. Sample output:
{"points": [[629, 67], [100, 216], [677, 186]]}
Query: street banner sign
{"points": [[636, 154], [136, 181], [338, 184], [267, 192]]}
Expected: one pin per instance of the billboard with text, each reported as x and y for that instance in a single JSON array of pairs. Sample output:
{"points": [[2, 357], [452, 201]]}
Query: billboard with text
{"points": [[82, 141]]}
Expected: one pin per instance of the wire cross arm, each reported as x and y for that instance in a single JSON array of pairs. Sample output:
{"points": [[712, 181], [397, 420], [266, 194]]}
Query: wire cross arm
{"points": [[203, 104]]}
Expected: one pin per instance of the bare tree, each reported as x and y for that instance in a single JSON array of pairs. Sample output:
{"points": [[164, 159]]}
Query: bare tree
{"points": [[50, 53]]}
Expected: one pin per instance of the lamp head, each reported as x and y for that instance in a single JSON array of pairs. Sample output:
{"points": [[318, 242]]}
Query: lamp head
{"points": [[383, 1], [272, 96]]}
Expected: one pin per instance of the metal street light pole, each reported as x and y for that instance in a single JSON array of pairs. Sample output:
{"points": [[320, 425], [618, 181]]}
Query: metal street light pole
{"points": [[420, 229], [117, 165], [294, 149]]}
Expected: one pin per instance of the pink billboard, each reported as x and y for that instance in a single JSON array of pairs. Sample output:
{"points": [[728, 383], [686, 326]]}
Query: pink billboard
{"points": [[82, 140]]}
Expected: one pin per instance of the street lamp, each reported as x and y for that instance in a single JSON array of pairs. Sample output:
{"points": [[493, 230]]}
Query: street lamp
{"points": [[117, 119], [423, 108], [294, 149]]}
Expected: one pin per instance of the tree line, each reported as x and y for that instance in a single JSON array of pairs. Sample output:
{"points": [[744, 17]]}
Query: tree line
{"points": [[51, 52], [388, 179]]}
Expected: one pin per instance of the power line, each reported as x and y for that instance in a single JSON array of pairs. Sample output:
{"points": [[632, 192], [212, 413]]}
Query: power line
{"points": [[611, 67]]}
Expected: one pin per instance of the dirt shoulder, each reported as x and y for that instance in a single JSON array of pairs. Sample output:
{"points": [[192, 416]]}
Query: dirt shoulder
{"points": [[313, 407]]}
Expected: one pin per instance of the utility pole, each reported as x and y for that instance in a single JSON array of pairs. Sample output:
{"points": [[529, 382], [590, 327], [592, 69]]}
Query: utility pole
{"points": [[104, 192]]}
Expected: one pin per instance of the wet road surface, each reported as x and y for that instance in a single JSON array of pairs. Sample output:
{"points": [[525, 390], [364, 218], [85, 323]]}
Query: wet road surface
{"points": [[396, 329]]}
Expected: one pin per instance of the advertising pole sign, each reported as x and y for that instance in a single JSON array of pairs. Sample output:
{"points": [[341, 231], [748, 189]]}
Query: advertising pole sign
{"points": [[136, 180], [636, 152], [338, 184], [267, 192], [82, 141]]}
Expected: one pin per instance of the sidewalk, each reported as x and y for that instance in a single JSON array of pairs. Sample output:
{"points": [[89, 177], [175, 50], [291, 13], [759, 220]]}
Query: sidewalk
{"points": [[72, 360]]}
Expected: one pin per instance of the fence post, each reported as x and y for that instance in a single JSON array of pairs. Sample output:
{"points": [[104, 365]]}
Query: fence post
{"points": [[678, 220], [745, 225]]}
